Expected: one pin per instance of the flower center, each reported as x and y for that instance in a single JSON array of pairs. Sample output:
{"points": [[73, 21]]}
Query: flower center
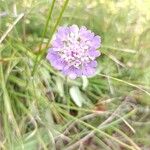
{"points": [[74, 51]]}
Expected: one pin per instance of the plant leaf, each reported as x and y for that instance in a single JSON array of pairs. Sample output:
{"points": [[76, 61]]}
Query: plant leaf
{"points": [[76, 95]]}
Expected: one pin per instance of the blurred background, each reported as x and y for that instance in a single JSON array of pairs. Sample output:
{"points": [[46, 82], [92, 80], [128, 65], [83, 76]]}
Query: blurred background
{"points": [[37, 108]]}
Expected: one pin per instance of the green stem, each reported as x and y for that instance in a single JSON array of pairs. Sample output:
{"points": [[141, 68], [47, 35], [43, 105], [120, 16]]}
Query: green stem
{"points": [[58, 21], [8, 111], [47, 23], [39, 57]]}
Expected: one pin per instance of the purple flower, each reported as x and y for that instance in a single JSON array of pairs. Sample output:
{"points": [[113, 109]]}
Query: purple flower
{"points": [[74, 51]]}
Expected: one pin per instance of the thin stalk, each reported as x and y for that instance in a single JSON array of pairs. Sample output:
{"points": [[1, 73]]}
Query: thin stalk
{"points": [[98, 130], [125, 82], [47, 22], [39, 57], [9, 117], [58, 21]]}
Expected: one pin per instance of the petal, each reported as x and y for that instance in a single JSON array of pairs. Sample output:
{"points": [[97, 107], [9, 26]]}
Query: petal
{"points": [[57, 43], [96, 42], [55, 60], [78, 72], [74, 29], [72, 72], [92, 64], [93, 52], [52, 55], [62, 33], [86, 34], [83, 29], [88, 71], [63, 30], [58, 64]]}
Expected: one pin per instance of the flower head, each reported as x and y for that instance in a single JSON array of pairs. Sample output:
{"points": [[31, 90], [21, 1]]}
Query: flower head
{"points": [[74, 51]]}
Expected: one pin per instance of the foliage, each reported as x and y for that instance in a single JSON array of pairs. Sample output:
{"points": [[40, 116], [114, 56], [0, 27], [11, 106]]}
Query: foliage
{"points": [[39, 108]]}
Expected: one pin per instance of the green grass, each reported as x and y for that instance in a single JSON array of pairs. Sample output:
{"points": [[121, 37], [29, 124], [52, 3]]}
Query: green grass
{"points": [[38, 104]]}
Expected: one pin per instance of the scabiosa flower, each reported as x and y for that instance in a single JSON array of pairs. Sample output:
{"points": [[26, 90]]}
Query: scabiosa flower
{"points": [[74, 51]]}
